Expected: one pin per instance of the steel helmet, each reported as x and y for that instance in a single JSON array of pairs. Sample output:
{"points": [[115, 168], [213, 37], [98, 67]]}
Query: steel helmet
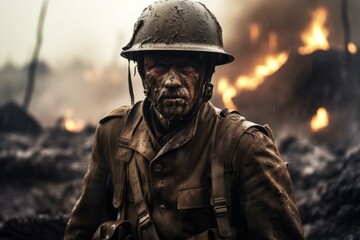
{"points": [[177, 25]]}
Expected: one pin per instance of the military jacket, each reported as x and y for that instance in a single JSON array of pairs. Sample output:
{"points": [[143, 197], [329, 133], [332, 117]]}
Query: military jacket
{"points": [[176, 179]]}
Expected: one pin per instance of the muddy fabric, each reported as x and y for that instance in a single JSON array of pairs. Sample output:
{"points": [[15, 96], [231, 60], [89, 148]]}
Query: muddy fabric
{"points": [[177, 182]]}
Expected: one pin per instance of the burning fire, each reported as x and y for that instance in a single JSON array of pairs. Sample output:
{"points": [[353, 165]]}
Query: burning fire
{"points": [[315, 37], [71, 124], [352, 48], [228, 92], [271, 64], [320, 120]]}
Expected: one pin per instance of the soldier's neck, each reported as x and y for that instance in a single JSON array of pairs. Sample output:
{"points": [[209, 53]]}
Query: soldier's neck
{"points": [[167, 124]]}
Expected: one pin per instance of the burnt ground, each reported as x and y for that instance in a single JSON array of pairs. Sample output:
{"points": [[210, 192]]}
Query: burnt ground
{"points": [[326, 181], [41, 177]]}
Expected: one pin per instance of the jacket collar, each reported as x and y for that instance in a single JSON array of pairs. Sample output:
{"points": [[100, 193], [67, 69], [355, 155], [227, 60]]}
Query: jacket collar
{"points": [[137, 135]]}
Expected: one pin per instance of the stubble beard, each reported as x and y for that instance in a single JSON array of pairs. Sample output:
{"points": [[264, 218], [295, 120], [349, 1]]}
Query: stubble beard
{"points": [[171, 104]]}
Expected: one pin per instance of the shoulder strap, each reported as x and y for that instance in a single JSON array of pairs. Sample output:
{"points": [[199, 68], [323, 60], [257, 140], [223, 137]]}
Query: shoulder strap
{"points": [[123, 154], [231, 122], [116, 112], [146, 228], [132, 120]]}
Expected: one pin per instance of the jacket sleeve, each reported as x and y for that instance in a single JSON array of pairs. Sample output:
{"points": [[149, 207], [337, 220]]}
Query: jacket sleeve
{"points": [[90, 209], [265, 190]]}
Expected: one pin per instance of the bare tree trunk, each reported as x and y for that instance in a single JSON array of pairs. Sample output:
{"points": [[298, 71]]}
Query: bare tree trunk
{"points": [[350, 76], [346, 25], [34, 60]]}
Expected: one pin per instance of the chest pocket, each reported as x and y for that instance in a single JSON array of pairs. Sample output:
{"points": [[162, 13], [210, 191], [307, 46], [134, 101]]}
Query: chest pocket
{"points": [[191, 198], [194, 209]]}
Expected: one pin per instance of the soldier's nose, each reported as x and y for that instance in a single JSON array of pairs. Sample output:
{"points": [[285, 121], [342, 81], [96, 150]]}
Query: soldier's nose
{"points": [[173, 80]]}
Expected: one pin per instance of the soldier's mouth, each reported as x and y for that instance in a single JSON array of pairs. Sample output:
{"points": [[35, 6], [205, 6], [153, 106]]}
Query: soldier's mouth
{"points": [[173, 100]]}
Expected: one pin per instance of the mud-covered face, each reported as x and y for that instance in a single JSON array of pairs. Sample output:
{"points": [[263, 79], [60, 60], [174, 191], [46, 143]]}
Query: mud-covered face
{"points": [[173, 80]]}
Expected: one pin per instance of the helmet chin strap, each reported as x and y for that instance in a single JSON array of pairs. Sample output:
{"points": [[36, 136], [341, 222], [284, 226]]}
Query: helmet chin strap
{"points": [[208, 86], [205, 89], [208, 91], [131, 91]]}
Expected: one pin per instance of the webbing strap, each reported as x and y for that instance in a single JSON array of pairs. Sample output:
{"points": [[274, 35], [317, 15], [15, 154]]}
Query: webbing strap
{"points": [[131, 91], [232, 122], [146, 228], [218, 194]]}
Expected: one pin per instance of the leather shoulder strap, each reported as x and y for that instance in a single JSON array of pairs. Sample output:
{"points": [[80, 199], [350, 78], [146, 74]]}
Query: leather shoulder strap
{"points": [[123, 154], [146, 227], [232, 126], [127, 157]]}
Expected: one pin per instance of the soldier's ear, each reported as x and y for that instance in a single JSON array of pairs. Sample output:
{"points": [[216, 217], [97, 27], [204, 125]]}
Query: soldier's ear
{"points": [[141, 71], [141, 67]]}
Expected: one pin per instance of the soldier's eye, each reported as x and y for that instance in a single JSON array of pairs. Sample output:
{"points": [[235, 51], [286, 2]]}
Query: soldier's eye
{"points": [[160, 68], [188, 68]]}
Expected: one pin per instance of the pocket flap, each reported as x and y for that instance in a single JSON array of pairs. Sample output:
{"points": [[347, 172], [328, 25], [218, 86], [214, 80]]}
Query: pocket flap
{"points": [[194, 198]]}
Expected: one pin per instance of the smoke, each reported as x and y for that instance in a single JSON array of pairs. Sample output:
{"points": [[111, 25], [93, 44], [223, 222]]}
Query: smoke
{"points": [[287, 19], [57, 91], [88, 91], [289, 98]]}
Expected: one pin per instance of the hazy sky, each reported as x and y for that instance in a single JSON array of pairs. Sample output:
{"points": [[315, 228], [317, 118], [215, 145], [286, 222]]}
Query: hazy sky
{"points": [[91, 30], [94, 31]]}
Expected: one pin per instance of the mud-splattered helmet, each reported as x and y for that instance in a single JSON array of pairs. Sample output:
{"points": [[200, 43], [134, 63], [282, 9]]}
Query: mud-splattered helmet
{"points": [[177, 25]]}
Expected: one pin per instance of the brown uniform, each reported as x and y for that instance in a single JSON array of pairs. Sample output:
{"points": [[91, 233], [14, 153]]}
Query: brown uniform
{"points": [[177, 183]]}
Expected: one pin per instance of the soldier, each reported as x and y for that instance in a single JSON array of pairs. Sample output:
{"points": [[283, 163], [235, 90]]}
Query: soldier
{"points": [[174, 166]]}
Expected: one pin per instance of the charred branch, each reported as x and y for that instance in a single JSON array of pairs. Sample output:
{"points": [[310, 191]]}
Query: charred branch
{"points": [[346, 26], [34, 61]]}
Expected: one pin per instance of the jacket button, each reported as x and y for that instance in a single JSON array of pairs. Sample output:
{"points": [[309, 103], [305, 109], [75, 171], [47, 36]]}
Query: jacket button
{"points": [[158, 167], [162, 208], [161, 183]]}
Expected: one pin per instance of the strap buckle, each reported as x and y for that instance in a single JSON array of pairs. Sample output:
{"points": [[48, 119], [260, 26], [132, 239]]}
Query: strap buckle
{"points": [[220, 207], [144, 220]]}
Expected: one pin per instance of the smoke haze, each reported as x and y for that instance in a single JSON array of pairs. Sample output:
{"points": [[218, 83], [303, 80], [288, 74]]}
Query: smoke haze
{"points": [[92, 89]]}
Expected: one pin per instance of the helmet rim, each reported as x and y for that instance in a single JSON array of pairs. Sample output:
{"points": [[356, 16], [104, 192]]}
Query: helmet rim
{"points": [[222, 56], [177, 25]]}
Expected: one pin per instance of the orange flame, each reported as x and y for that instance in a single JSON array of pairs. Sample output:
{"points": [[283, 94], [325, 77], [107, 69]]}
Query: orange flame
{"points": [[320, 120], [271, 65], [71, 124], [228, 92], [352, 48], [315, 37]]}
